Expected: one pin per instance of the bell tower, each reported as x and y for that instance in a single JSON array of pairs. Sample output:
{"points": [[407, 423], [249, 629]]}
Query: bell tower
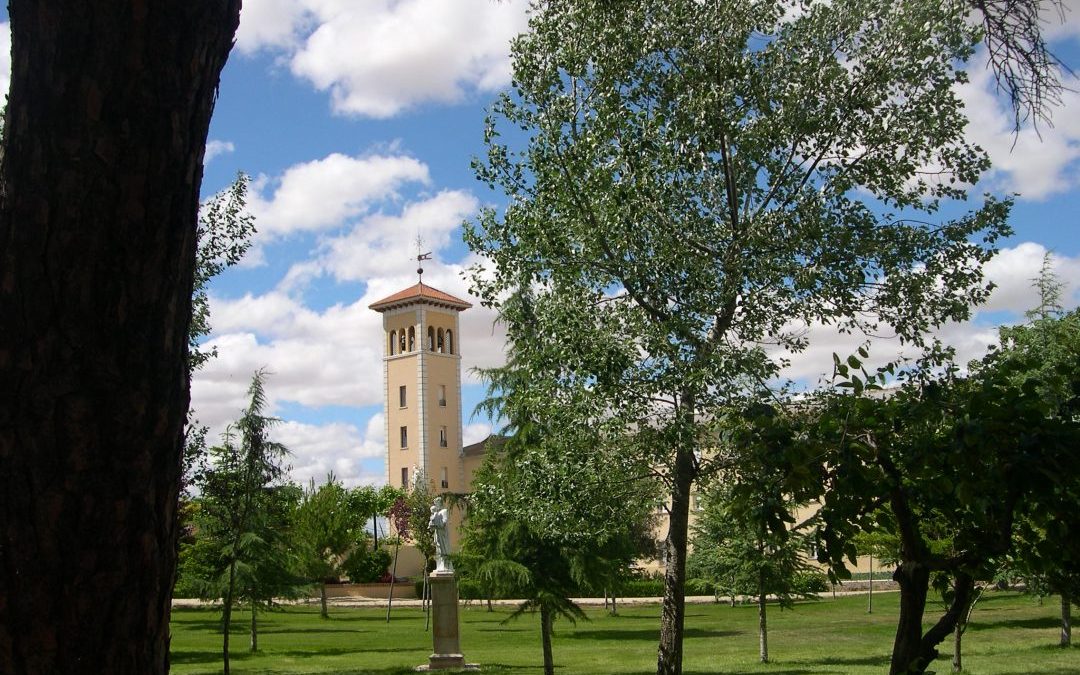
{"points": [[422, 387]]}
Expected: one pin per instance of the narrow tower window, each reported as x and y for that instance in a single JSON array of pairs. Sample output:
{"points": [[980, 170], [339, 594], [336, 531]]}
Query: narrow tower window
{"points": [[442, 395], [449, 341], [412, 338], [445, 479], [440, 341], [404, 476], [442, 437], [393, 341], [401, 342], [401, 396], [404, 437], [430, 339]]}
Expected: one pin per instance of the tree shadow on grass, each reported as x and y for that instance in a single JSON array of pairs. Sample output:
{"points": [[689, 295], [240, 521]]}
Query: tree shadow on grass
{"points": [[342, 651], [876, 660], [1042, 622], [652, 634]]}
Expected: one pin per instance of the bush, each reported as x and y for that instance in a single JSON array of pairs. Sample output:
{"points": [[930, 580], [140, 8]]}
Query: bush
{"points": [[643, 588], [808, 583], [365, 566], [700, 587]]}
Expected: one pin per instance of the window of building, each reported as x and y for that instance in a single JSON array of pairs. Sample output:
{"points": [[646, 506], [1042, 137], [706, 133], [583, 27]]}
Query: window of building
{"points": [[393, 341], [442, 395], [404, 437], [442, 437], [445, 479], [430, 339], [404, 476], [439, 342], [401, 396], [401, 342], [449, 341], [412, 338]]}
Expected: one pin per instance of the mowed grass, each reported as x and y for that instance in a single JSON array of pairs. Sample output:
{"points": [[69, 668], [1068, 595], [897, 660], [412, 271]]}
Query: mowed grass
{"points": [[1010, 635]]}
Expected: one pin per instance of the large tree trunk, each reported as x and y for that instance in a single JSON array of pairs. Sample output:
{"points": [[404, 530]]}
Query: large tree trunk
{"points": [[322, 598], [1066, 620], [545, 638], [106, 123], [914, 580], [913, 652], [669, 659]]}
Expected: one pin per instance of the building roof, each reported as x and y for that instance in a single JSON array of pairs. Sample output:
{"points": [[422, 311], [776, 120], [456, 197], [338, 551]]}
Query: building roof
{"points": [[419, 293], [481, 448]]}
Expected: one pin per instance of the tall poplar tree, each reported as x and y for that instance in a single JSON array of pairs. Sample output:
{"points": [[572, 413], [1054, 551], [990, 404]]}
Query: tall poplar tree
{"points": [[697, 181]]}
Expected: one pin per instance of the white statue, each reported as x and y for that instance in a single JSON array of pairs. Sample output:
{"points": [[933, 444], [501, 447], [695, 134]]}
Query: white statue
{"points": [[438, 522]]}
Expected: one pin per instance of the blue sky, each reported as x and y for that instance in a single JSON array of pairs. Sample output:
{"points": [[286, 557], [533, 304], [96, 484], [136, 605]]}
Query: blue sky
{"points": [[357, 122]]}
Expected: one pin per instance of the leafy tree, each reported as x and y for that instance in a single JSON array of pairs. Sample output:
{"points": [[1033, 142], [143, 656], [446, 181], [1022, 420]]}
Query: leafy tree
{"points": [[244, 513], [223, 237], [373, 502], [100, 186], [700, 180], [510, 548], [327, 530], [949, 466], [745, 539], [1046, 351]]}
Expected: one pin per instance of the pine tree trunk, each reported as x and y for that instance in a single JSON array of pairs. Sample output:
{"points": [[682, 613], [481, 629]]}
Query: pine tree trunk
{"points": [[100, 169], [1066, 620], [254, 629], [545, 637], [672, 615], [226, 617], [322, 597]]}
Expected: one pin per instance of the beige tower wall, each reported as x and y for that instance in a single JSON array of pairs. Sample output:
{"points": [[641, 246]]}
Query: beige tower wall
{"points": [[431, 375]]}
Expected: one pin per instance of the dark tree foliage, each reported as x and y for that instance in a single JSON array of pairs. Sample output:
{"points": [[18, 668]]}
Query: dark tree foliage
{"points": [[950, 466]]}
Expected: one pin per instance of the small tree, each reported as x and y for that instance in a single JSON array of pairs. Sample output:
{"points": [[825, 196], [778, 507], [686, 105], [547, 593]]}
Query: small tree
{"points": [[327, 531], [242, 517], [746, 533]]}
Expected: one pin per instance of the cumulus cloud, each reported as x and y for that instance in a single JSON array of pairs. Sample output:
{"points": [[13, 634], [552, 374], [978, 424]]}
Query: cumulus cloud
{"points": [[1035, 163], [323, 193], [1013, 271], [215, 148], [380, 57]]}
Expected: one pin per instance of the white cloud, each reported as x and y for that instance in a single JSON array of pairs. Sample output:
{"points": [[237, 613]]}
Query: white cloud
{"points": [[215, 148], [378, 245], [266, 24], [337, 447], [1024, 162], [323, 193], [380, 57], [1012, 270], [5, 58]]}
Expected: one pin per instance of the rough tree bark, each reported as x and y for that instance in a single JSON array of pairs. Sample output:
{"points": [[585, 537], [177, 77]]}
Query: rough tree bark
{"points": [[107, 118]]}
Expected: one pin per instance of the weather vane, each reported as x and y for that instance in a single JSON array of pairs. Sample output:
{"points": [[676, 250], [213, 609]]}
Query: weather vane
{"points": [[420, 258]]}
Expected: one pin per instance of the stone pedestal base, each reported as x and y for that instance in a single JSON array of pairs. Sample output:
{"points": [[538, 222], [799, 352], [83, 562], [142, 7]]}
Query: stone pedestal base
{"points": [[444, 625]]}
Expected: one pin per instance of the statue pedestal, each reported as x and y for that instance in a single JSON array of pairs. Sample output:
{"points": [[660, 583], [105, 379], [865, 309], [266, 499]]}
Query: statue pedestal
{"points": [[444, 625]]}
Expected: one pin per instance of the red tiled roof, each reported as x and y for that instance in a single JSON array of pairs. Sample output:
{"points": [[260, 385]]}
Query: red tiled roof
{"points": [[419, 293]]}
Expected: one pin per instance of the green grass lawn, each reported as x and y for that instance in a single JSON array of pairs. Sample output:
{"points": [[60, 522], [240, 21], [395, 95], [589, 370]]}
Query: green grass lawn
{"points": [[1010, 634]]}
